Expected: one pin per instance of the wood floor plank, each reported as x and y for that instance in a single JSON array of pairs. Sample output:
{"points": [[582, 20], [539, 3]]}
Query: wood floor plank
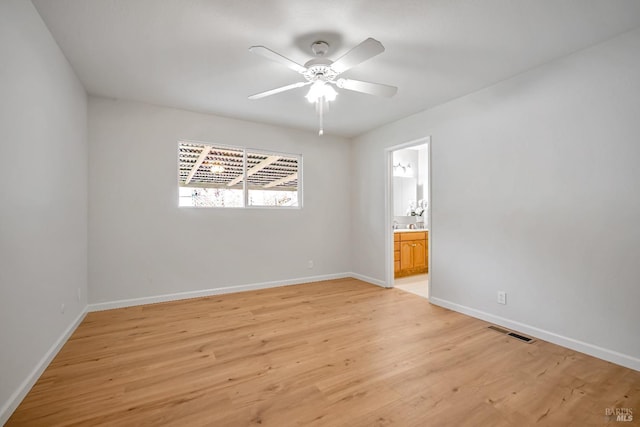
{"points": [[333, 353]]}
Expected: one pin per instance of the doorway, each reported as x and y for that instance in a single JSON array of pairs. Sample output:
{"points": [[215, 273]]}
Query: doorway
{"points": [[408, 216]]}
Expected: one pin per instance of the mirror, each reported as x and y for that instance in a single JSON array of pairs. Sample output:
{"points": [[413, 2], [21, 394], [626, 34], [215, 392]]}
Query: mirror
{"points": [[405, 191], [410, 184]]}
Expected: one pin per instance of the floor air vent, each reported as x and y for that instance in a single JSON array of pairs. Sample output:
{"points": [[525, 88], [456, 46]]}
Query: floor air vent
{"points": [[512, 334], [520, 337]]}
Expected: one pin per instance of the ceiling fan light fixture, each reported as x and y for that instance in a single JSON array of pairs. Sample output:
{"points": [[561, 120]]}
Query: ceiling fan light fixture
{"points": [[320, 90], [329, 93]]}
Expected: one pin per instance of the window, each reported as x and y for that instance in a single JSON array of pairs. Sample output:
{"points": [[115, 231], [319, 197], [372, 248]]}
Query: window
{"points": [[215, 175]]}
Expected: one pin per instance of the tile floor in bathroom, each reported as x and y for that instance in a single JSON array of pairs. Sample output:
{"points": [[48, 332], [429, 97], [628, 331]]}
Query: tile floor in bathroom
{"points": [[418, 284]]}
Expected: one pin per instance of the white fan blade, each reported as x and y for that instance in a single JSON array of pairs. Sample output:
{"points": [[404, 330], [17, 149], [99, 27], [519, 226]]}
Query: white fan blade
{"points": [[377, 89], [365, 50], [278, 90], [269, 54]]}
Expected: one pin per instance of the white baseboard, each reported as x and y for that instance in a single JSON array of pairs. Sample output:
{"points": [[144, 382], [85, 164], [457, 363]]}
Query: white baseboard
{"points": [[7, 409], [368, 279], [583, 347], [214, 291]]}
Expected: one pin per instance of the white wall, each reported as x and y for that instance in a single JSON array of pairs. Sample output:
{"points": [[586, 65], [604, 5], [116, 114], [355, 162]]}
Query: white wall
{"points": [[142, 244], [535, 191], [43, 197]]}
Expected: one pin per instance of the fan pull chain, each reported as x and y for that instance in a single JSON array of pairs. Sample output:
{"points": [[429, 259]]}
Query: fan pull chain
{"points": [[320, 108]]}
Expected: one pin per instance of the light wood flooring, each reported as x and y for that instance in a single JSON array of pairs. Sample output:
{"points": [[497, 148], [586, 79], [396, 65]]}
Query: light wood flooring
{"points": [[334, 353]]}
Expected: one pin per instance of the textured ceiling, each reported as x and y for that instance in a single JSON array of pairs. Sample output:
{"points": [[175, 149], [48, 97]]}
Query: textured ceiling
{"points": [[193, 54]]}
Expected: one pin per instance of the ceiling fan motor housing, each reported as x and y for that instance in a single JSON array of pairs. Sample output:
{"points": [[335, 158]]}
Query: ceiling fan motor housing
{"points": [[319, 68]]}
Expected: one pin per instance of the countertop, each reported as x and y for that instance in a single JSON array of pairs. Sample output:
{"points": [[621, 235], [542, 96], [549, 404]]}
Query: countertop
{"points": [[409, 230]]}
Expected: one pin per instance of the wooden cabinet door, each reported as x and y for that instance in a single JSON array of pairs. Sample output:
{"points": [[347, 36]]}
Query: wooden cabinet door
{"points": [[406, 255], [410, 253], [420, 254]]}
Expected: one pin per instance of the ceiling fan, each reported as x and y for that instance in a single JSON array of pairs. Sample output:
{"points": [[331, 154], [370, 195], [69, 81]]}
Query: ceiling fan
{"points": [[322, 73]]}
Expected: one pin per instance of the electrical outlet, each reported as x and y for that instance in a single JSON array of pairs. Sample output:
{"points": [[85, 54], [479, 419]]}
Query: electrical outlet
{"points": [[62, 308], [310, 264], [502, 297], [78, 294]]}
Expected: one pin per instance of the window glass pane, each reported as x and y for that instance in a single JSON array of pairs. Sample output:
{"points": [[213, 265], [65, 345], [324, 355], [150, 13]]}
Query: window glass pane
{"points": [[213, 176], [210, 176], [212, 198], [272, 179]]}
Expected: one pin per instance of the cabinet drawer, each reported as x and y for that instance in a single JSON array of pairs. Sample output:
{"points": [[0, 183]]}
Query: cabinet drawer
{"points": [[396, 237], [413, 236]]}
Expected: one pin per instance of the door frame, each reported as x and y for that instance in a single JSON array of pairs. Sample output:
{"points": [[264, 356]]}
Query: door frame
{"points": [[388, 201]]}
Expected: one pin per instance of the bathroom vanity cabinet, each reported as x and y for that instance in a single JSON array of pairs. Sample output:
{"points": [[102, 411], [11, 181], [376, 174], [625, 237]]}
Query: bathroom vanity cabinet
{"points": [[411, 252]]}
